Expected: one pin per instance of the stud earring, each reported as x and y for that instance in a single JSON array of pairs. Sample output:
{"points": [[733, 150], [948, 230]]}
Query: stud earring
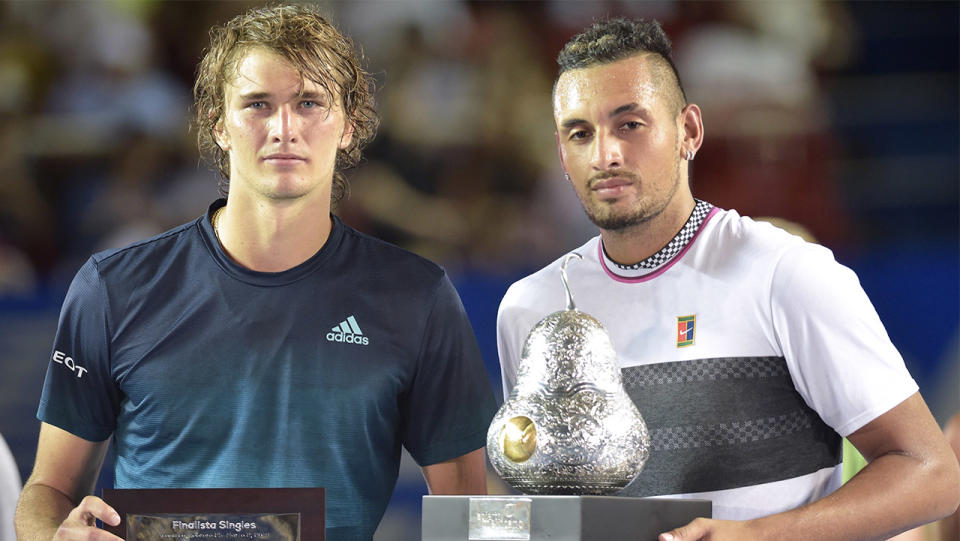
{"points": [[689, 155]]}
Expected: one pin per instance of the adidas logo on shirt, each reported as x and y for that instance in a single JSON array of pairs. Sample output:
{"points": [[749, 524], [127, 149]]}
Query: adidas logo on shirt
{"points": [[348, 331]]}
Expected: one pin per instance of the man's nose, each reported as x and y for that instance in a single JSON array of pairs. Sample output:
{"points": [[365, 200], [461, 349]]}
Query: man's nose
{"points": [[284, 125], [607, 151]]}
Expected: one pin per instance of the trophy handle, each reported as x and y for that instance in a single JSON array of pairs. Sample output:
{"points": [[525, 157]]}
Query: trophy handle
{"points": [[563, 276]]}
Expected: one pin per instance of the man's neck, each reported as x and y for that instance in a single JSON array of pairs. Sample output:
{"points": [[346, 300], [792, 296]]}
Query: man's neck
{"points": [[636, 243], [273, 236]]}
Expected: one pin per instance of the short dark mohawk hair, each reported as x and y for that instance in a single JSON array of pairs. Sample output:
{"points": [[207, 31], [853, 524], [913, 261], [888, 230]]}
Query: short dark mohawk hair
{"points": [[615, 39]]}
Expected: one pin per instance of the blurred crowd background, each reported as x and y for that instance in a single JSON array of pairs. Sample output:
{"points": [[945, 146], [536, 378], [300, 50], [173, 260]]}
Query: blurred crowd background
{"points": [[839, 116]]}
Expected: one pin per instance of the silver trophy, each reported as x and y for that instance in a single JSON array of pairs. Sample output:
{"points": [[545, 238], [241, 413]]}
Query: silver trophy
{"points": [[568, 426]]}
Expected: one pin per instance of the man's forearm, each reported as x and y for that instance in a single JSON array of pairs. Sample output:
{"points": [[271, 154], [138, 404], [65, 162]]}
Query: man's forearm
{"points": [[40, 511], [892, 494], [462, 475]]}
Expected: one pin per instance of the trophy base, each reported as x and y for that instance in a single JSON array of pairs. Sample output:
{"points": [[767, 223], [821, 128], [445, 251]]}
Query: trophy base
{"points": [[555, 518]]}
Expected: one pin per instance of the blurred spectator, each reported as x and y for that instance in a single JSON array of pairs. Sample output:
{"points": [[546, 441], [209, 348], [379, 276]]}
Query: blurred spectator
{"points": [[770, 139], [27, 232], [465, 138], [27, 229], [17, 275], [109, 71]]}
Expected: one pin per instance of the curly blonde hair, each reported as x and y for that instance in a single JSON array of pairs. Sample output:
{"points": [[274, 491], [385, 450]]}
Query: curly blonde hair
{"points": [[319, 53]]}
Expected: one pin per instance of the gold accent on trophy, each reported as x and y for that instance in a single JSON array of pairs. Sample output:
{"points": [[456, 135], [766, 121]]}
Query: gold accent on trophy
{"points": [[518, 437]]}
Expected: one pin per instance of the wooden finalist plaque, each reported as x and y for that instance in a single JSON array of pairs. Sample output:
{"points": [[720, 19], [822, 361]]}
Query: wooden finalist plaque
{"points": [[211, 505]]}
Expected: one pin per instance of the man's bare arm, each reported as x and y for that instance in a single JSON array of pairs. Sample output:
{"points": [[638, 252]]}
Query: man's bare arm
{"points": [[53, 503], [465, 474], [912, 478], [949, 528]]}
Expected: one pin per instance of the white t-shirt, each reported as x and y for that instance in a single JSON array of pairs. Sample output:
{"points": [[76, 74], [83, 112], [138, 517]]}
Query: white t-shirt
{"points": [[749, 352], [9, 491]]}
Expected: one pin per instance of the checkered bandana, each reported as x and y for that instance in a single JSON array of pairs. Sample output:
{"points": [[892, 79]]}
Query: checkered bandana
{"points": [[686, 234]]}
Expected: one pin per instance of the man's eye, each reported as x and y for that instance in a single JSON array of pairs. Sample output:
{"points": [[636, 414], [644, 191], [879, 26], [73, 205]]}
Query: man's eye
{"points": [[632, 125], [257, 105], [579, 134], [309, 104]]}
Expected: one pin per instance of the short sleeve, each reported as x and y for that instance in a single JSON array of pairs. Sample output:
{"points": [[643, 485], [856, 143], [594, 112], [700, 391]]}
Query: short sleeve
{"points": [[840, 357], [79, 393], [450, 404]]}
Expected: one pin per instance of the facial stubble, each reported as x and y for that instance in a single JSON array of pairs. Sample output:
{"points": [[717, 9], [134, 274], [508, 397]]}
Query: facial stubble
{"points": [[644, 210]]}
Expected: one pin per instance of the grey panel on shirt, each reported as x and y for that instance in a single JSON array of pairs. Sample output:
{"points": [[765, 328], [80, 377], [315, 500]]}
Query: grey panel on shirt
{"points": [[724, 423]]}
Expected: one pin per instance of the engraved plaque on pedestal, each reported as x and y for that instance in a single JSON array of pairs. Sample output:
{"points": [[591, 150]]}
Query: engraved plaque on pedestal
{"points": [[506, 519], [555, 518]]}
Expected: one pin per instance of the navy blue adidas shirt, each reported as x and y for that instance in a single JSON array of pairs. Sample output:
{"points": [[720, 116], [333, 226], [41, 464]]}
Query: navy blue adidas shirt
{"points": [[212, 375]]}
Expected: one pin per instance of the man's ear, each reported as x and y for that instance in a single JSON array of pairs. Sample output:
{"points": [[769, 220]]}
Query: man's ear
{"points": [[692, 126], [220, 135], [347, 136]]}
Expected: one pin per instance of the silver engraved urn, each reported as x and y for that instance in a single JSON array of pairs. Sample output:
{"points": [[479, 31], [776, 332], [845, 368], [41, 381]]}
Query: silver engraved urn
{"points": [[568, 426]]}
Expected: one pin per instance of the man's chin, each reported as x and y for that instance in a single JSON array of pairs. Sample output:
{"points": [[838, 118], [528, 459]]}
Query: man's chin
{"points": [[616, 222], [291, 190], [610, 220]]}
